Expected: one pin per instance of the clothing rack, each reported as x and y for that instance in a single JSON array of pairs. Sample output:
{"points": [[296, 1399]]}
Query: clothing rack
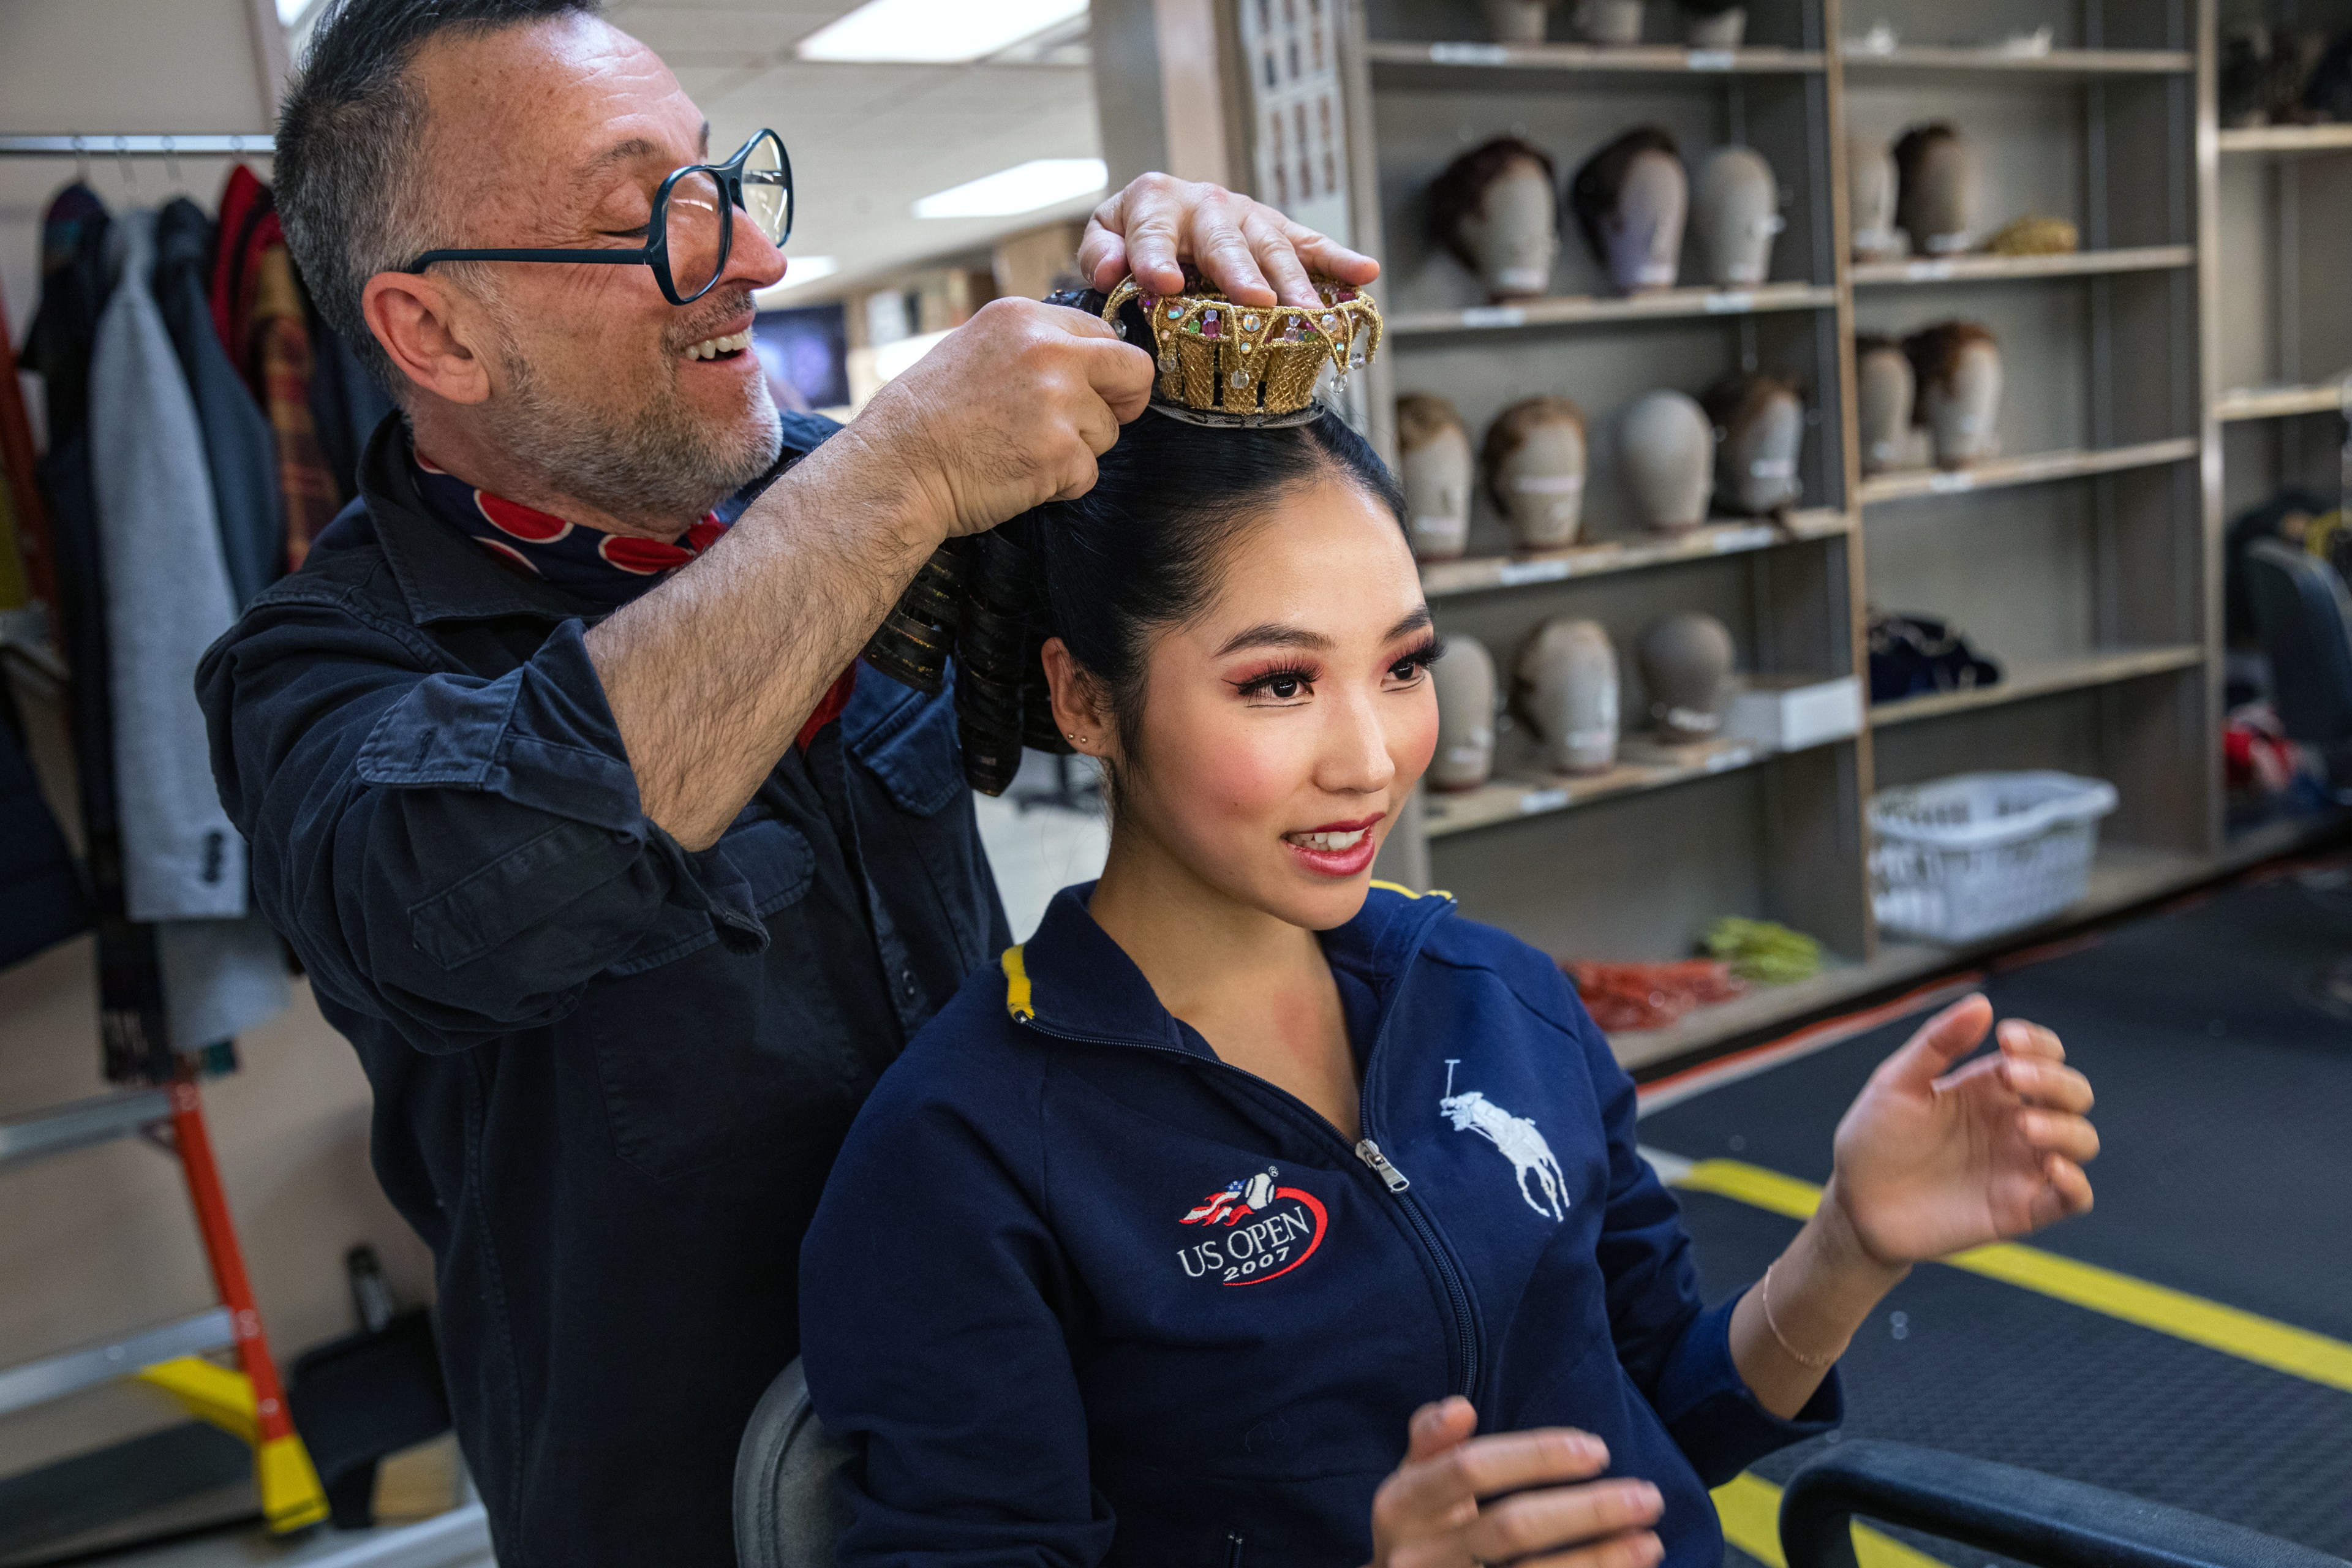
{"points": [[234, 144]]}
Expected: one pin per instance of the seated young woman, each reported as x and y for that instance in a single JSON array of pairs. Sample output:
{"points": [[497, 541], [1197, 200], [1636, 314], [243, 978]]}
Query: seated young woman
{"points": [[1256, 1214]]}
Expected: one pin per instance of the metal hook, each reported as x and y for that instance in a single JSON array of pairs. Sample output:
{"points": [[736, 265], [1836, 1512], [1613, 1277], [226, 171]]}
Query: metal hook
{"points": [[81, 160], [172, 164], [123, 165]]}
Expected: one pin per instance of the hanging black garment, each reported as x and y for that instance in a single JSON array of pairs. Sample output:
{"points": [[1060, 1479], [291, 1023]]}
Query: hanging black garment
{"points": [[347, 403], [41, 900], [238, 447], [1913, 656], [74, 288]]}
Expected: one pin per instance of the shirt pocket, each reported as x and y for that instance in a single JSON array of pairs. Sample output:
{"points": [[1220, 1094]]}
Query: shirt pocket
{"points": [[707, 1056]]}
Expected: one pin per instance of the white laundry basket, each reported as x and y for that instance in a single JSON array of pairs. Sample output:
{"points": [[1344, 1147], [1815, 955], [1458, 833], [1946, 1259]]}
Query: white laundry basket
{"points": [[1975, 855]]}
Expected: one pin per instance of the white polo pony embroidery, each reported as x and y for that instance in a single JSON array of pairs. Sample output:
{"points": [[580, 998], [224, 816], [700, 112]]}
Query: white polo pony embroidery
{"points": [[1519, 1140]]}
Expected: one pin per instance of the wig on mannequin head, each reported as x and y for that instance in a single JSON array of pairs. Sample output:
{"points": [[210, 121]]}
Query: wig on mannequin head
{"points": [[1885, 388], [1956, 368], [1759, 430], [1639, 249], [1434, 448], [1536, 460], [1459, 212], [1714, 24], [1936, 181]]}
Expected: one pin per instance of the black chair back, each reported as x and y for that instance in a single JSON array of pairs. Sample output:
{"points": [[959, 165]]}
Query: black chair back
{"points": [[2305, 617]]}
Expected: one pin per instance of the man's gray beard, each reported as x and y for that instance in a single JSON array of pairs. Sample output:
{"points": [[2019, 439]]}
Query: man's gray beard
{"points": [[657, 464]]}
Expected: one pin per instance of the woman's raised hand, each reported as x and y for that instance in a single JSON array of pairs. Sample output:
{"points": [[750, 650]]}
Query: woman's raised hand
{"points": [[1932, 1161], [1549, 1510]]}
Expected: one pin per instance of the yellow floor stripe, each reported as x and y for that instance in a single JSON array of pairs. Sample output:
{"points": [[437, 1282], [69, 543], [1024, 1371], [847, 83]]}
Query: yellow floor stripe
{"points": [[2246, 1335], [1749, 1507]]}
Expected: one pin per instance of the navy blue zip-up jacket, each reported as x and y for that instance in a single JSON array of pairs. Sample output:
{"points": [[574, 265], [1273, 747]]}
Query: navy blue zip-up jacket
{"points": [[1086, 1295], [610, 1074]]}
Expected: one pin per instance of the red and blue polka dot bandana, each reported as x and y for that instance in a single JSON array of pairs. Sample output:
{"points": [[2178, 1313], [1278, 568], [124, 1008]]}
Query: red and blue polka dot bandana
{"points": [[606, 569]]}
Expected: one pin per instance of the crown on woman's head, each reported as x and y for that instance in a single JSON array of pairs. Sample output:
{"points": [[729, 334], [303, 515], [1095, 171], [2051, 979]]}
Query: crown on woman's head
{"points": [[1223, 363]]}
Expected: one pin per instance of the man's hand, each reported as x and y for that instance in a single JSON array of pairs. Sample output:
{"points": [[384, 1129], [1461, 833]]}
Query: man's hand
{"points": [[1524, 1498], [1009, 411], [1249, 250], [1932, 1159]]}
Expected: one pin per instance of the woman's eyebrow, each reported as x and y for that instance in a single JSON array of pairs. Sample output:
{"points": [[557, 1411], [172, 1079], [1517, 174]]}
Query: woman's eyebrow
{"points": [[1418, 620], [1272, 634]]}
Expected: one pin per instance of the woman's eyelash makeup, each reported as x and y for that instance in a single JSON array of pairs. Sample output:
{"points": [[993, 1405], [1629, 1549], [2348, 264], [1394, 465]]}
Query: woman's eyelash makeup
{"points": [[1251, 685], [1422, 658]]}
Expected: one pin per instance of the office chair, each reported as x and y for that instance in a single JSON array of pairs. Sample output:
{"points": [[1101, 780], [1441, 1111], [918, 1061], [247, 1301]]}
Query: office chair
{"points": [[787, 1512], [2021, 1514], [2304, 619]]}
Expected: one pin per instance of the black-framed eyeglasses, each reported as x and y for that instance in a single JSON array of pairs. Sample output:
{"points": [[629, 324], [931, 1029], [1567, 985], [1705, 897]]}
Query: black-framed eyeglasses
{"points": [[692, 227]]}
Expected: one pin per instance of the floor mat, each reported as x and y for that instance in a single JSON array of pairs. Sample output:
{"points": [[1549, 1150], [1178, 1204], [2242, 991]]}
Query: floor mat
{"points": [[2225, 1108]]}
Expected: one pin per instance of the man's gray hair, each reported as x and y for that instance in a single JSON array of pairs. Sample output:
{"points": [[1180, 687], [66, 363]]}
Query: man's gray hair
{"points": [[349, 193]]}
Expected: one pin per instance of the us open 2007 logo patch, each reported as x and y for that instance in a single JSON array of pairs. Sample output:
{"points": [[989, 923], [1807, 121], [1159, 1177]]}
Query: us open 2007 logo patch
{"points": [[1258, 1231]]}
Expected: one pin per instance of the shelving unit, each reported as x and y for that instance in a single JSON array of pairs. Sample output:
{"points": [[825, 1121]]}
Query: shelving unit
{"points": [[2087, 562], [2278, 340]]}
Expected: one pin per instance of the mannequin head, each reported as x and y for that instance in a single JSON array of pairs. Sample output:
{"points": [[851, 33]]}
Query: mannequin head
{"points": [[1686, 668], [1630, 199], [1494, 209], [1665, 447], [1536, 462], [1885, 388], [1518, 21], [1465, 679], [1712, 24], [1760, 431], [1435, 448], [1937, 176], [1567, 689], [1957, 369], [1736, 205], [1871, 187], [1609, 21]]}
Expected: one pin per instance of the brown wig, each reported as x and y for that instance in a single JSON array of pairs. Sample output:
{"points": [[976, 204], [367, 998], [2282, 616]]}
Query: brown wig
{"points": [[1910, 156], [1509, 431], [1460, 193], [1740, 397], [1935, 354], [1422, 418], [1595, 191]]}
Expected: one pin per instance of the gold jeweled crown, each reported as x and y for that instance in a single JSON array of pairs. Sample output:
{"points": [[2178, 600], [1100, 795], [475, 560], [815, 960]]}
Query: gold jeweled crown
{"points": [[1223, 363]]}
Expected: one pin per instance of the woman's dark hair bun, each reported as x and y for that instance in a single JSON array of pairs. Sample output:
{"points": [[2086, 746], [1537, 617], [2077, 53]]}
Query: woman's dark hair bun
{"points": [[1139, 552]]}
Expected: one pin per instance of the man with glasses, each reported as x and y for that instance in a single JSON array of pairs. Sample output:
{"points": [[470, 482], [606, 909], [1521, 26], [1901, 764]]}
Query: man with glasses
{"points": [[558, 768]]}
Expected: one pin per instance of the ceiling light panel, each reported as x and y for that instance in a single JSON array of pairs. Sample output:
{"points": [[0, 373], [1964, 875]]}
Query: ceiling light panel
{"points": [[940, 31], [1024, 187]]}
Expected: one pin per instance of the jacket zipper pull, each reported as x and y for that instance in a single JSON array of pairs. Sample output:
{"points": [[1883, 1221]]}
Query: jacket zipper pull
{"points": [[1370, 1154]]}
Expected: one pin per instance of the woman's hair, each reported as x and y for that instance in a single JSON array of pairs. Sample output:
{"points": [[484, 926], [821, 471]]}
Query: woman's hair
{"points": [[1592, 193], [1460, 193]]}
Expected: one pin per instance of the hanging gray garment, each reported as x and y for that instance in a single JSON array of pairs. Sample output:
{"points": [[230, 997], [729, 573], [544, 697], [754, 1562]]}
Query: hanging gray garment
{"points": [[167, 596]]}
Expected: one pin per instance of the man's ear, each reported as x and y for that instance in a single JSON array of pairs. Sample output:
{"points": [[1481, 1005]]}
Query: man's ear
{"points": [[423, 325], [1080, 713]]}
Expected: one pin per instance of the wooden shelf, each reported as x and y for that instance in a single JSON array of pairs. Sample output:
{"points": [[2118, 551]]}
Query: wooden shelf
{"points": [[1388, 56], [2061, 64], [2123, 877], [1995, 268], [1488, 574], [2287, 138], [2024, 681], [1515, 799], [2035, 468], [1587, 309], [2241, 403]]}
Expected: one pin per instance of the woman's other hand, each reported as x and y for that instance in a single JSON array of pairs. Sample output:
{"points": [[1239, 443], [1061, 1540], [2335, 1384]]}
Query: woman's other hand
{"points": [[1932, 1161], [1529, 1499]]}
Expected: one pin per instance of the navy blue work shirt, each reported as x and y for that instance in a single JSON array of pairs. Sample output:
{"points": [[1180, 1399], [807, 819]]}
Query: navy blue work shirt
{"points": [[610, 1074]]}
